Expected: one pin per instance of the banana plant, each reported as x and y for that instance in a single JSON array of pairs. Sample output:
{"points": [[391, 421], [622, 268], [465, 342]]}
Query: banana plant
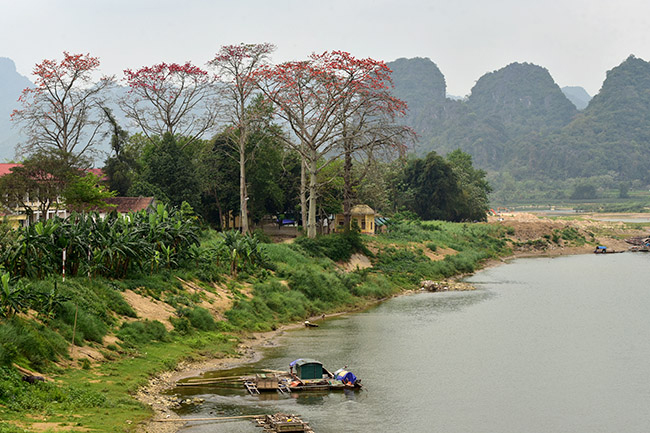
{"points": [[13, 297]]}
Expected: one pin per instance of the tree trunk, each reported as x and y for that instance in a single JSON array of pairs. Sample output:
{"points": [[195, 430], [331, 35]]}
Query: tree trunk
{"points": [[311, 225], [303, 192], [347, 187], [243, 193], [219, 210]]}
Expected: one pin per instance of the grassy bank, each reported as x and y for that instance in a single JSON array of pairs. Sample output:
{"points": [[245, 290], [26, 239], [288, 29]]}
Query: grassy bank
{"points": [[213, 300]]}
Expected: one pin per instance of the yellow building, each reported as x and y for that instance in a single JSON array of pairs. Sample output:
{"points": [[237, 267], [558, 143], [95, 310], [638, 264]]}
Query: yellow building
{"points": [[361, 214]]}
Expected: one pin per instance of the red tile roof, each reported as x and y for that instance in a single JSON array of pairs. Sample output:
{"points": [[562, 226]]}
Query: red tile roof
{"points": [[5, 168], [129, 204]]}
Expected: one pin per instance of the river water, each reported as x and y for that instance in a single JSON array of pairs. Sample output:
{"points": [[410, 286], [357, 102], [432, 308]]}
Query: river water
{"points": [[543, 345]]}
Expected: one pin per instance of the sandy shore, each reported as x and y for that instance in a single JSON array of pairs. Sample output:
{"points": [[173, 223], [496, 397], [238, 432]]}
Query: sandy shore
{"points": [[527, 226]]}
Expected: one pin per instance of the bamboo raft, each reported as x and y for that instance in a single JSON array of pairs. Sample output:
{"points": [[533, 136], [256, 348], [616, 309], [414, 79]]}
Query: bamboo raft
{"points": [[277, 423], [283, 423]]}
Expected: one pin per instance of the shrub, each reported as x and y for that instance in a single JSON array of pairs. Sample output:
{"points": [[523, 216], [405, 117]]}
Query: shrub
{"points": [[142, 332], [318, 285], [31, 340], [338, 247], [201, 319], [88, 326], [181, 325]]}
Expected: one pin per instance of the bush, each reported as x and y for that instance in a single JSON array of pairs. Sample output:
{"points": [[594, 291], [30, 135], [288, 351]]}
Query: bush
{"points": [[201, 319], [88, 326], [142, 332], [31, 340], [318, 285], [338, 247], [181, 325]]}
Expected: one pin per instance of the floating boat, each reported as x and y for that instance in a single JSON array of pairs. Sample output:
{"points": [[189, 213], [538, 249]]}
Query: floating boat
{"points": [[601, 249], [310, 375], [304, 375]]}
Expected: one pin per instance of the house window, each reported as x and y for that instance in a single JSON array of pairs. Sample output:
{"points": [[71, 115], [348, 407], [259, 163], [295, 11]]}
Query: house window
{"points": [[363, 224]]}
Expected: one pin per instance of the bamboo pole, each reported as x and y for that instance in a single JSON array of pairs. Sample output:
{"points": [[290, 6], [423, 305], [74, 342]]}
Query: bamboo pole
{"points": [[74, 328], [213, 379], [223, 418]]}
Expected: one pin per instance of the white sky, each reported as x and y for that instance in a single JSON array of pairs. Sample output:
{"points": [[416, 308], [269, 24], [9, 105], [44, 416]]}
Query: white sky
{"points": [[576, 40]]}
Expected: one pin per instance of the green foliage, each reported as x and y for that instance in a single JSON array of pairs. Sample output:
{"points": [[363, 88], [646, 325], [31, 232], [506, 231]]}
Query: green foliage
{"points": [[84, 193], [405, 266], [439, 189], [112, 247], [142, 332], [18, 395], [168, 167], [89, 326], [338, 247], [584, 191], [569, 234], [8, 428], [30, 340], [13, 297], [201, 319]]}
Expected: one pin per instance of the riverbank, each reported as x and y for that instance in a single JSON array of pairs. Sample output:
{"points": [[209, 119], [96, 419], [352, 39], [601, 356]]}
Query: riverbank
{"points": [[529, 234]]}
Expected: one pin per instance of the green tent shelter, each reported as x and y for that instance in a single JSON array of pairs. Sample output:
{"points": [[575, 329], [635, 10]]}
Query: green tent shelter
{"points": [[308, 368]]}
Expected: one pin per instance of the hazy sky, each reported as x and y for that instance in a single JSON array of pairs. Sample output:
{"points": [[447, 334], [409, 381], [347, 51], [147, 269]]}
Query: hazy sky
{"points": [[576, 40]]}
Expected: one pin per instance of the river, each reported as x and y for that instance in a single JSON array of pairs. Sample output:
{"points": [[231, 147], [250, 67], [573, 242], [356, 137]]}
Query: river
{"points": [[542, 345]]}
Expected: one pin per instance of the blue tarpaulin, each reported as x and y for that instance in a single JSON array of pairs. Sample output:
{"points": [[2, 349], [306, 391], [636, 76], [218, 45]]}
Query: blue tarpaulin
{"points": [[345, 376]]}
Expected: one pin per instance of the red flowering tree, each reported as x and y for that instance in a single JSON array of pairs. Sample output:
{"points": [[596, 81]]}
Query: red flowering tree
{"points": [[173, 98], [236, 66], [62, 112], [329, 101], [369, 113]]}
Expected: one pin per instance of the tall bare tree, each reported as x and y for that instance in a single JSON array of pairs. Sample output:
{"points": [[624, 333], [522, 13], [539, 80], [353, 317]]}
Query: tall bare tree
{"points": [[171, 98], [62, 112], [236, 66]]}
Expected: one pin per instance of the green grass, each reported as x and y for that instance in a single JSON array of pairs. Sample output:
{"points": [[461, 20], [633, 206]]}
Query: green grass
{"points": [[100, 399], [402, 260]]}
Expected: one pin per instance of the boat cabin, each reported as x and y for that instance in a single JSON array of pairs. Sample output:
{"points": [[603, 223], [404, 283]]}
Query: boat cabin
{"points": [[308, 368]]}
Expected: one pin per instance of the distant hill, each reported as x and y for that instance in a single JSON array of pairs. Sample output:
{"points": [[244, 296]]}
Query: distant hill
{"points": [[503, 106], [577, 95], [611, 135], [521, 127], [423, 87], [11, 85]]}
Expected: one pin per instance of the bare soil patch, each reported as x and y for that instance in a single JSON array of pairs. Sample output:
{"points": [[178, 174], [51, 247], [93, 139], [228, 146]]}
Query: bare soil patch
{"points": [[357, 261], [149, 308]]}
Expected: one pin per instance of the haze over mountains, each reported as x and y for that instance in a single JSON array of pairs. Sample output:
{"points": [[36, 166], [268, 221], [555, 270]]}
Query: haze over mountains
{"points": [[516, 123], [520, 126], [11, 85]]}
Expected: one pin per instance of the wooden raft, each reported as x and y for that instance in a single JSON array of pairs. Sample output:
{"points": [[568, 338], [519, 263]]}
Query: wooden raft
{"points": [[281, 422]]}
